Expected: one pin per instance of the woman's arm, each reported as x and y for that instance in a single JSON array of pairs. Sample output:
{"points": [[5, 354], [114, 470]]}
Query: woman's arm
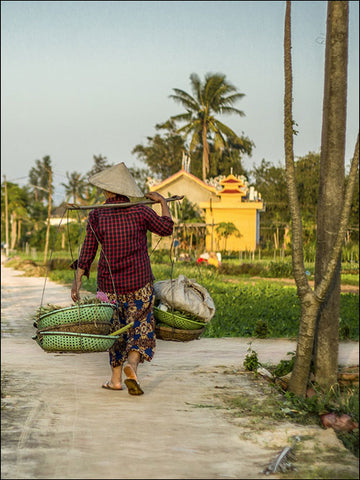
{"points": [[75, 289], [87, 255]]}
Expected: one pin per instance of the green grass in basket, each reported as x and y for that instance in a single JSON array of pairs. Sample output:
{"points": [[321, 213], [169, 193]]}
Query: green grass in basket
{"points": [[43, 309]]}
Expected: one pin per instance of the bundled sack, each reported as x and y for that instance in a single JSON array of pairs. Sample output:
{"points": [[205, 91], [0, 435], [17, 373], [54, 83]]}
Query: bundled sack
{"points": [[187, 296]]}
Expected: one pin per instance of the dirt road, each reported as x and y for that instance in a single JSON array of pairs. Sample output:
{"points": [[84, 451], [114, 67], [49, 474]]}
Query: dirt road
{"points": [[57, 423]]}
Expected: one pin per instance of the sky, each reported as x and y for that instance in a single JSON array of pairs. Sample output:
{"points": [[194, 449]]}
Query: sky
{"points": [[84, 78]]}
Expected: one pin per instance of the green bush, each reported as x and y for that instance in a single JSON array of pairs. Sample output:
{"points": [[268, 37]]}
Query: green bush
{"points": [[280, 269], [242, 269], [261, 329]]}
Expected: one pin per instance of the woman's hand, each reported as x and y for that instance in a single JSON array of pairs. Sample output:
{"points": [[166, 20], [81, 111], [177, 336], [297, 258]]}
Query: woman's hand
{"points": [[157, 198], [75, 295]]}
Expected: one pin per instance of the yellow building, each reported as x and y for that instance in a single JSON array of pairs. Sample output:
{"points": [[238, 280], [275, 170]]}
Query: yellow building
{"points": [[228, 200]]}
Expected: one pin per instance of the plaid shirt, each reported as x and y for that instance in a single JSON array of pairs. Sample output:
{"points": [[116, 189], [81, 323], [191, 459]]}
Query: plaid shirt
{"points": [[124, 254]]}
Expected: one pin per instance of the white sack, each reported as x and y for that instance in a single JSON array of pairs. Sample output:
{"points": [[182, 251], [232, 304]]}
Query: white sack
{"points": [[187, 296]]}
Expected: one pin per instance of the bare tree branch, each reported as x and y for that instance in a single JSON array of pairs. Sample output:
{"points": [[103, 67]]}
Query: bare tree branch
{"points": [[297, 242]]}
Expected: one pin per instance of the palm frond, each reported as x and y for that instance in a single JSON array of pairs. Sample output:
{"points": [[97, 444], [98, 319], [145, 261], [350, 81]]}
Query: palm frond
{"points": [[224, 129], [195, 140], [186, 128], [231, 99], [219, 141], [196, 86], [212, 90], [229, 110], [195, 125], [185, 99], [184, 117]]}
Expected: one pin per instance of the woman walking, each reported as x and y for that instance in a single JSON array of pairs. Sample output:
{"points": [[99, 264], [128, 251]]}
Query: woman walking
{"points": [[124, 272]]}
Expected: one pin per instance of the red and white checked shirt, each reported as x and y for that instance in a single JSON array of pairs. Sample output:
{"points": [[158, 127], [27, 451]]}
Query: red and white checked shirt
{"points": [[124, 254]]}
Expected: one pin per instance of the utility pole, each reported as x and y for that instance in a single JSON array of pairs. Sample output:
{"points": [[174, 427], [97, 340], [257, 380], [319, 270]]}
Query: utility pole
{"points": [[48, 220], [6, 219]]}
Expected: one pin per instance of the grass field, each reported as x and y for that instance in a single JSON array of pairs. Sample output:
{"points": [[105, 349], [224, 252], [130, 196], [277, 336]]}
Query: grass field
{"points": [[246, 305]]}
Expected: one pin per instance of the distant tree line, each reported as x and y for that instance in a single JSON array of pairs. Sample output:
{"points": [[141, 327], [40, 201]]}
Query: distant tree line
{"points": [[214, 149]]}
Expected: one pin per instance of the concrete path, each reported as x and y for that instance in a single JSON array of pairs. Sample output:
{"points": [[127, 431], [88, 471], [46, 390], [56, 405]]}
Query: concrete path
{"points": [[57, 423]]}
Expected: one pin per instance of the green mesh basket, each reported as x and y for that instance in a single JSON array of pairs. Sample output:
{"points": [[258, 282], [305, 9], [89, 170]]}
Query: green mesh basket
{"points": [[74, 342], [89, 313], [177, 321]]}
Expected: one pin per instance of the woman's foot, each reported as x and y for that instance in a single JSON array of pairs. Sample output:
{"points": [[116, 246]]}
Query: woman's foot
{"points": [[110, 386], [131, 382]]}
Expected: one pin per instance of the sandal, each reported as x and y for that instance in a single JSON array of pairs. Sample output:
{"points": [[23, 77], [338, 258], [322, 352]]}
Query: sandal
{"points": [[107, 386], [131, 382]]}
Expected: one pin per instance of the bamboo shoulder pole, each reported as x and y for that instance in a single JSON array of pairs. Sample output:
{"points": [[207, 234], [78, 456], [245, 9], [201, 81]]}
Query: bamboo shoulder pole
{"points": [[74, 206]]}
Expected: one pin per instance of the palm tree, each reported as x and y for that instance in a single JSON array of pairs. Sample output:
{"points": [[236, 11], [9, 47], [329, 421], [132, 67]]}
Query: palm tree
{"points": [[39, 179], [75, 186], [213, 96], [226, 229], [100, 163]]}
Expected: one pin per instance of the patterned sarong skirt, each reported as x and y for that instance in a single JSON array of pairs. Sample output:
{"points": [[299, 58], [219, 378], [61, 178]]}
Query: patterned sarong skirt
{"points": [[134, 307]]}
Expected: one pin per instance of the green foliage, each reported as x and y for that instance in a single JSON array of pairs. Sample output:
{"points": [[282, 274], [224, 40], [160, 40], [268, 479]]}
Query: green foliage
{"points": [[350, 252], [141, 176], [261, 329], [242, 269], [337, 400], [74, 187], [100, 163], [270, 181], [307, 173], [168, 148], [251, 362], [240, 307], [160, 256], [280, 270], [186, 211], [349, 319], [39, 179], [68, 233], [225, 229], [354, 216], [285, 366]]}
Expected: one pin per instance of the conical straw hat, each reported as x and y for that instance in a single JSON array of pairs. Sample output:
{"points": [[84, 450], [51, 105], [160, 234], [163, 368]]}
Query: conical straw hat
{"points": [[117, 179]]}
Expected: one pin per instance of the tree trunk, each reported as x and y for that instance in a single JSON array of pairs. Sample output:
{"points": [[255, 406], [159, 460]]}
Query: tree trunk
{"points": [[205, 163], [331, 189], [13, 230], [19, 231], [301, 371], [6, 219]]}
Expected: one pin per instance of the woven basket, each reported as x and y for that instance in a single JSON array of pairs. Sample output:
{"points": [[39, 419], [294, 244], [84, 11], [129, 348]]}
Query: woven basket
{"points": [[96, 328], [89, 313], [74, 342], [164, 332], [177, 321]]}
